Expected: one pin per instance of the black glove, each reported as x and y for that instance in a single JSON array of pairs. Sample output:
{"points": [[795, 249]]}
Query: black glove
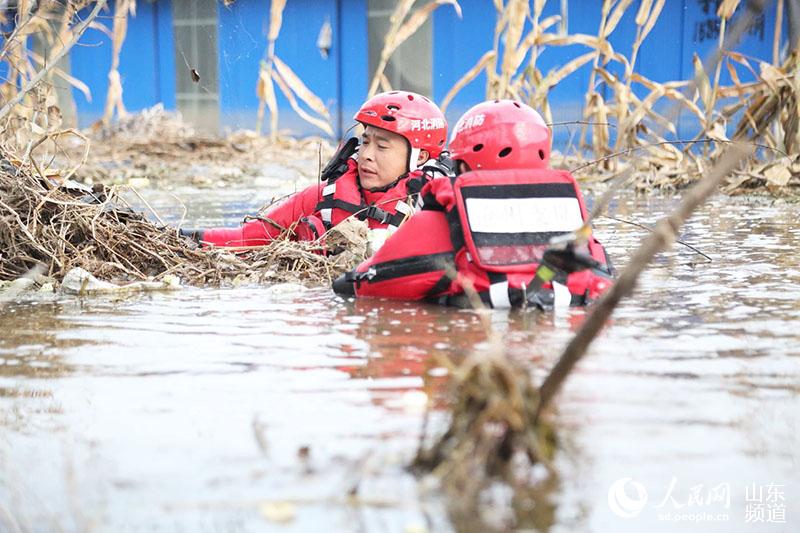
{"points": [[194, 234], [344, 286], [566, 259], [338, 163]]}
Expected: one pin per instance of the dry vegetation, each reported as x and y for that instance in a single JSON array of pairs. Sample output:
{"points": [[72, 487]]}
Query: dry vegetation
{"points": [[292, 87], [58, 223], [47, 218], [625, 132], [403, 24], [490, 434], [156, 147]]}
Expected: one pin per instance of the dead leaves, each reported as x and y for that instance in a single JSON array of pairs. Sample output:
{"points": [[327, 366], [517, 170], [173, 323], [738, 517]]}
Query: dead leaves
{"points": [[778, 177]]}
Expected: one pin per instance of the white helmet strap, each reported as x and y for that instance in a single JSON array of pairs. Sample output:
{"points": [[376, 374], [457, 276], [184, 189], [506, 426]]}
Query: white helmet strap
{"points": [[413, 157]]}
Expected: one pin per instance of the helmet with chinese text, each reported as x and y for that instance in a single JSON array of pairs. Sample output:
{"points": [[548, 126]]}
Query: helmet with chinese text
{"points": [[501, 134], [411, 115]]}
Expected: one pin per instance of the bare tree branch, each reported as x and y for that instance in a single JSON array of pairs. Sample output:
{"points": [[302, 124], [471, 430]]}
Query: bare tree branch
{"points": [[663, 234]]}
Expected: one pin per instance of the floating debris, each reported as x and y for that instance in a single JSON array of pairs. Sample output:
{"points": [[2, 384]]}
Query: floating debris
{"points": [[80, 282], [45, 221], [492, 433]]}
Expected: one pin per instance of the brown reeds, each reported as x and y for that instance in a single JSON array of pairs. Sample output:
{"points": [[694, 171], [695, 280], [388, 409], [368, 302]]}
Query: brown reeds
{"points": [[50, 220], [14, 53], [508, 73], [156, 147], [43, 222], [767, 105], [490, 430], [625, 131], [20, 84], [773, 109]]}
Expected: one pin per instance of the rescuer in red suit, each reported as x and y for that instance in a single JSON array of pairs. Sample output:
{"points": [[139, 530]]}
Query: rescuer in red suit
{"points": [[376, 180], [488, 230]]}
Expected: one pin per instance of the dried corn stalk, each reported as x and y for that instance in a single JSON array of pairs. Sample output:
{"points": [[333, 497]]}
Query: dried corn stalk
{"points": [[122, 9], [290, 85], [772, 106], [293, 88], [510, 76], [264, 88], [23, 124], [468, 77], [401, 27], [14, 52]]}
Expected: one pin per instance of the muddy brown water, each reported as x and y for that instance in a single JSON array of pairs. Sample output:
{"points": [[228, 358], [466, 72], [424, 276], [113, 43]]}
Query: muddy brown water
{"points": [[289, 409]]}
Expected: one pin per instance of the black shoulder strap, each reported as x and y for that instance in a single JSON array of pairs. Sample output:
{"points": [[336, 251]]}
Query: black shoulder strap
{"points": [[456, 229], [361, 211]]}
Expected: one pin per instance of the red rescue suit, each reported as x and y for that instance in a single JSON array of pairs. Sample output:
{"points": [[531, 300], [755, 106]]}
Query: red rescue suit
{"points": [[488, 230], [307, 214]]}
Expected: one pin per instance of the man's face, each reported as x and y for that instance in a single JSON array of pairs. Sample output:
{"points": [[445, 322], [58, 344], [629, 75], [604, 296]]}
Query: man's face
{"points": [[382, 157]]}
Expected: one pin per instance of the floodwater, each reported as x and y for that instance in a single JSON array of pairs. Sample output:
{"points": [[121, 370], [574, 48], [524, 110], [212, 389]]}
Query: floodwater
{"points": [[289, 409]]}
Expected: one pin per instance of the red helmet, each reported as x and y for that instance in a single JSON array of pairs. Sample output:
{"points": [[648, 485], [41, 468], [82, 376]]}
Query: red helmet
{"points": [[501, 134], [411, 115]]}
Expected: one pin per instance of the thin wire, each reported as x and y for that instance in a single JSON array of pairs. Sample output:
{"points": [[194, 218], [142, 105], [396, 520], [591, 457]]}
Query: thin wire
{"points": [[651, 230], [661, 143]]}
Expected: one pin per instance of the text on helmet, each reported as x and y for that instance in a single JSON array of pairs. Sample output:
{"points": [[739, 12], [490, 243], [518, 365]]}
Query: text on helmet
{"points": [[470, 122], [427, 124]]}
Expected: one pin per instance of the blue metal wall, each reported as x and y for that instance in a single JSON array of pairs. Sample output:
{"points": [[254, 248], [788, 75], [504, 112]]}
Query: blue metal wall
{"points": [[340, 80], [352, 42], [5, 29], [243, 31], [165, 54], [147, 64]]}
